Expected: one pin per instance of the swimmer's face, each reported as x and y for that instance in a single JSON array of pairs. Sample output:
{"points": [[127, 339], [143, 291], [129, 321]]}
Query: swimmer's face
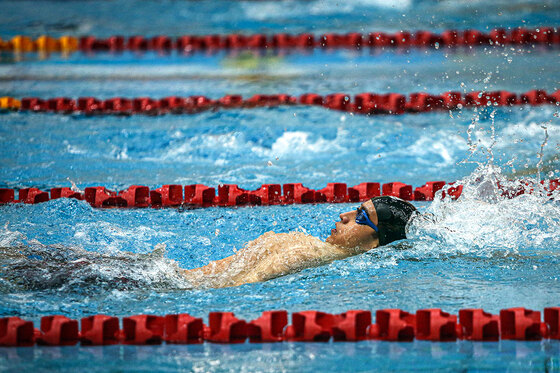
{"points": [[350, 234]]}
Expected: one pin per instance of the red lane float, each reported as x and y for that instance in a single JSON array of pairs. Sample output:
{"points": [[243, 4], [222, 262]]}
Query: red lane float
{"points": [[552, 320], [479, 325], [32, 196], [198, 195], [436, 325], [428, 191], [65, 193], [224, 327], [167, 195], [310, 326], [273, 326], [522, 324], [393, 325], [16, 332], [57, 330], [6, 195], [142, 329], [363, 103], [184, 329], [268, 328], [352, 326], [99, 330]]}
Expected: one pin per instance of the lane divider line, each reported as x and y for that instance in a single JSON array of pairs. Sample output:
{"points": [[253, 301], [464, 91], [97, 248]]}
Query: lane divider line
{"points": [[199, 195], [354, 40], [363, 103], [394, 325]]}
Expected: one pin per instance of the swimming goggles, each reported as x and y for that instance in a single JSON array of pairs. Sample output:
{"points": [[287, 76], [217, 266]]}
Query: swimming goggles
{"points": [[363, 219]]}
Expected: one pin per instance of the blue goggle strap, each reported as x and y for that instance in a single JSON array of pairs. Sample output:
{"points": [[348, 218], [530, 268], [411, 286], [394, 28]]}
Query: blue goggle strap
{"points": [[363, 218]]}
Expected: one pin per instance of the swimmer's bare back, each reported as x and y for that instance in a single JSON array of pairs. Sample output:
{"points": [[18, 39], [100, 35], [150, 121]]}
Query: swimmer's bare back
{"points": [[269, 256]]}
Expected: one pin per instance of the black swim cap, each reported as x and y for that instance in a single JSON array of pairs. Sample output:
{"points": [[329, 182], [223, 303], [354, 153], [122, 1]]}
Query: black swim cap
{"points": [[392, 213]]}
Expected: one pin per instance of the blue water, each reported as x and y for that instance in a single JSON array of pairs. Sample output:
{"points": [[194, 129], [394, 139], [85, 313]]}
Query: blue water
{"points": [[298, 357], [484, 251]]}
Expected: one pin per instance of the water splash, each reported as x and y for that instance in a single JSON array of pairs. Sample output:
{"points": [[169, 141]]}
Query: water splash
{"points": [[9, 237], [487, 221], [494, 215], [35, 266], [541, 152], [74, 187]]}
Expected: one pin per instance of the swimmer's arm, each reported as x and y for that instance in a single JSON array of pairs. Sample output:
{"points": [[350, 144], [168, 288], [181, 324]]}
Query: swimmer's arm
{"points": [[213, 267], [248, 266], [294, 260]]}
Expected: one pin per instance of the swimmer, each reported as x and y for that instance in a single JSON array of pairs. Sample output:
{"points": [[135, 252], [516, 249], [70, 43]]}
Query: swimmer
{"points": [[374, 223]]}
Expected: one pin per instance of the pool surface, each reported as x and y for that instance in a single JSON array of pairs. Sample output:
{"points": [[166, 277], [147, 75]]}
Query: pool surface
{"points": [[481, 251]]}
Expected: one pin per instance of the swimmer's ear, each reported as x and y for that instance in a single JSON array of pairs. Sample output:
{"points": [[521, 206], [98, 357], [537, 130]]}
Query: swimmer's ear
{"points": [[159, 250]]}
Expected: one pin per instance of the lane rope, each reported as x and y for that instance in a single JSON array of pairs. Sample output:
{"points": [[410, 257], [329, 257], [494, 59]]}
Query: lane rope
{"points": [[354, 40], [363, 103], [198, 195], [272, 326]]}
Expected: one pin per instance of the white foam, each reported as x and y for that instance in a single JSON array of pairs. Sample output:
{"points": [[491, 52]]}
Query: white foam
{"points": [[8, 237], [183, 151], [111, 237], [297, 143], [446, 146], [73, 149], [484, 221]]}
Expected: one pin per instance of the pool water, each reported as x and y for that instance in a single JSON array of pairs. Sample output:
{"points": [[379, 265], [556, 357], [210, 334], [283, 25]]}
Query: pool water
{"points": [[484, 250]]}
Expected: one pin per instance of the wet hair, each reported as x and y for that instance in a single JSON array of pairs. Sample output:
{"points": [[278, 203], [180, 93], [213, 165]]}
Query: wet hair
{"points": [[393, 214]]}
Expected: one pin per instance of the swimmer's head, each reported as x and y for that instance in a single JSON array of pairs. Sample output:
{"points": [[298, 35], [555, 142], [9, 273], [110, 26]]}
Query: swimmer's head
{"points": [[376, 222]]}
